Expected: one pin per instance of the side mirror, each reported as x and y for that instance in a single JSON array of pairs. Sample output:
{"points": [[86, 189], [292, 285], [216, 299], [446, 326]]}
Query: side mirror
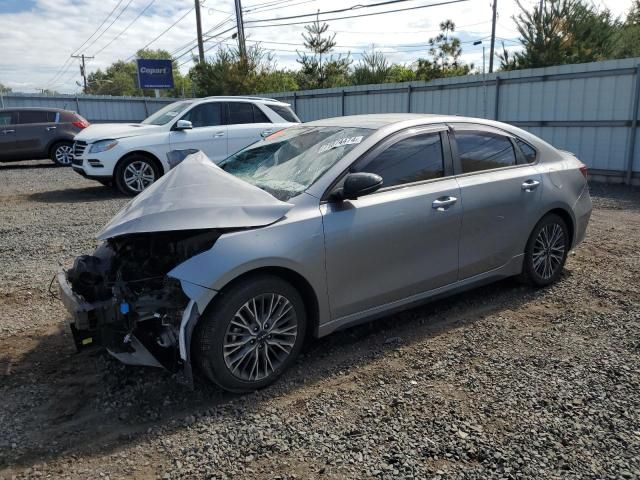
{"points": [[359, 184], [184, 125]]}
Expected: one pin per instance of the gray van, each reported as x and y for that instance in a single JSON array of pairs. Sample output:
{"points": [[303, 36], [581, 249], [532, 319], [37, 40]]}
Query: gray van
{"points": [[35, 133]]}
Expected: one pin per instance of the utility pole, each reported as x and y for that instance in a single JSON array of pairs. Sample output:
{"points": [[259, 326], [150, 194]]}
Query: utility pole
{"points": [[241, 40], [493, 35], [83, 70], [199, 30]]}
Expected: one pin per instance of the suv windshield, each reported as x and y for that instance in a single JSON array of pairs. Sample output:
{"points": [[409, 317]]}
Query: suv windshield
{"points": [[166, 114], [288, 162]]}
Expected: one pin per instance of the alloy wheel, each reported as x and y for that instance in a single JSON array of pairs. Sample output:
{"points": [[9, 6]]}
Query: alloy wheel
{"points": [[260, 337], [549, 250], [139, 175], [64, 155]]}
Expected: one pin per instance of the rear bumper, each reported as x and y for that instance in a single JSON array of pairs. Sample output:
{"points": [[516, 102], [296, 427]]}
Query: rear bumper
{"points": [[582, 211]]}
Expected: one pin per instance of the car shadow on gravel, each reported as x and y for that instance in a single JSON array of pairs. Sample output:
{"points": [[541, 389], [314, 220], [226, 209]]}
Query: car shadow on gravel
{"points": [[89, 403], [95, 193], [22, 166]]}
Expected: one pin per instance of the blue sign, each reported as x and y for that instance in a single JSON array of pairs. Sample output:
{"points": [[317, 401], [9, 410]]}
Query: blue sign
{"points": [[155, 73]]}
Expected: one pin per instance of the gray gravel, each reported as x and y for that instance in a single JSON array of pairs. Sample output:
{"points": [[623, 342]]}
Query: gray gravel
{"points": [[501, 382]]}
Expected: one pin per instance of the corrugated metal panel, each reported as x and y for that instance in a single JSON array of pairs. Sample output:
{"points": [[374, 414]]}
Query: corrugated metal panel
{"points": [[600, 92]]}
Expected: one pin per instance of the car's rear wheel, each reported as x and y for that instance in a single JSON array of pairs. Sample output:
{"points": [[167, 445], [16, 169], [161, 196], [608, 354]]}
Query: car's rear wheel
{"points": [[62, 154], [546, 251], [135, 174], [252, 334]]}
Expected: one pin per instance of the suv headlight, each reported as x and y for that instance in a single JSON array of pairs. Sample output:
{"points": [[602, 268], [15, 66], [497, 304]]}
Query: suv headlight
{"points": [[103, 146]]}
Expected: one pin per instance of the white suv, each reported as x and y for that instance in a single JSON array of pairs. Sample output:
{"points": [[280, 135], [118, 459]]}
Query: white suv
{"points": [[133, 156]]}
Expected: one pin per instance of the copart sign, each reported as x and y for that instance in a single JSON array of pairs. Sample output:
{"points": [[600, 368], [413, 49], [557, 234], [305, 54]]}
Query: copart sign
{"points": [[154, 73]]}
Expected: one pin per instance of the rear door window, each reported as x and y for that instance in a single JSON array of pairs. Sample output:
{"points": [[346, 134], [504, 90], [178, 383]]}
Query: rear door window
{"points": [[239, 113], [413, 159], [7, 118], [259, 116], [32, 116], [479, 150], [528, 152]]}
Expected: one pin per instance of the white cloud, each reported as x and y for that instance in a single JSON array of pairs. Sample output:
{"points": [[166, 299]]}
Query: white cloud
{"points": [[38, 41]]}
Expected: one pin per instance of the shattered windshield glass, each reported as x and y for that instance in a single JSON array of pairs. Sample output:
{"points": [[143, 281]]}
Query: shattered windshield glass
{"points": [[288, 162]]}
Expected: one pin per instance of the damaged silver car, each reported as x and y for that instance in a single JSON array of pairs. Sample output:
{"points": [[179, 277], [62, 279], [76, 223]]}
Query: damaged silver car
{"points": [[227, 269]]}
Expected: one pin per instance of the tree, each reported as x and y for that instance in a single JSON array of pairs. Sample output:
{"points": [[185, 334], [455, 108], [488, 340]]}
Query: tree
{"points": [[120, 78], [627, 43], [316, 71], [4, 88], [445, 52], [372, 68], [227, 73], [562, 32]]}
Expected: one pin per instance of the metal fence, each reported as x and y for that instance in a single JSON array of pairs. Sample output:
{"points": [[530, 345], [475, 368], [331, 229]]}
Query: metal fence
{"points": [[95, 108], [590, 109]]}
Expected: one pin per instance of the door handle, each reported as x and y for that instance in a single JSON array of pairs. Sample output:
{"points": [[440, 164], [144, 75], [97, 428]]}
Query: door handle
{"points": [[8, 131], [530, 185], [51, 128], [218, 134], [266, 133], [442, 203]]}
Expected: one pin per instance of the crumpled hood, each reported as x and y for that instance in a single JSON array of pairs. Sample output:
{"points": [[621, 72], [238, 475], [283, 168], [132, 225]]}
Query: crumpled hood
{"points": [[197, 194], [109, 131]]}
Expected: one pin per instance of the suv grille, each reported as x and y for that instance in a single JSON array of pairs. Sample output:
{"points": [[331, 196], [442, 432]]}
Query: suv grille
{"points": [[79, 148]]}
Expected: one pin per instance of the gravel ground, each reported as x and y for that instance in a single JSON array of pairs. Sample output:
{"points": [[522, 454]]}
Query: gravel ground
{"points": [[501, 382]]}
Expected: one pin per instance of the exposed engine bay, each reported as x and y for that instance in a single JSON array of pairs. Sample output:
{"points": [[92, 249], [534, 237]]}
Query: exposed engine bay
{"points": [[124, 300]]}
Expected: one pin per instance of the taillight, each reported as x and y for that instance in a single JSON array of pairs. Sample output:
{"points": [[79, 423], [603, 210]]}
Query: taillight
{"points": [[80, 124], [584, 170]]}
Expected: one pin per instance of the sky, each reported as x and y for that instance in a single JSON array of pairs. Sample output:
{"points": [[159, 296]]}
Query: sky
{"points": [[39, 36]]}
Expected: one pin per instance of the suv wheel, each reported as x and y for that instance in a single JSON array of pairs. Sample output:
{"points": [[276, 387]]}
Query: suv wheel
{"points": [[62, 153], [546, 251], [135, 174], [252, 335]]}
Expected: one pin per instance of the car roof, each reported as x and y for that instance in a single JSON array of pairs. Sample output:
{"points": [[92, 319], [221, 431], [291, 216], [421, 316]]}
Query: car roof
{"points": [[390, 122], [374, 120], [243, 98], [38, 109]]}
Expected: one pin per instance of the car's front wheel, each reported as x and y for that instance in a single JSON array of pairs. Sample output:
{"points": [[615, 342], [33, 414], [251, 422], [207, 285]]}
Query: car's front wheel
{"points": [[134, 174], [546, 251], [252, 334], [62, 154]]}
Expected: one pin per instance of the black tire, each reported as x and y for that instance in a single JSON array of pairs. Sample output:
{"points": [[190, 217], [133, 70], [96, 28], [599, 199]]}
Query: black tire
{"points": [[147, 167], [62, 153], [215, 330], [541, 269]]}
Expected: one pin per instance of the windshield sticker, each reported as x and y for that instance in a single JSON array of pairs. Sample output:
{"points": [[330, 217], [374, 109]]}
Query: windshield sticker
{"points": [[340, 143], [171, 114]]}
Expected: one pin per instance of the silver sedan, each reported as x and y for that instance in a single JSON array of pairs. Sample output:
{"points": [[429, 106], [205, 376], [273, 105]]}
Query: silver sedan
{"points": [[226, 269]]}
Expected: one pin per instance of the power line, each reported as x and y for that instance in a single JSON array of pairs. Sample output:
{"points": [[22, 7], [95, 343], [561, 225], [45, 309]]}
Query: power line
{"points": [[269, 7], [59, 73], [205, 39], [378, 32], [358, 16], [109, 26], [162, 33], [191, 43], [340, 10], [126, 28]]}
